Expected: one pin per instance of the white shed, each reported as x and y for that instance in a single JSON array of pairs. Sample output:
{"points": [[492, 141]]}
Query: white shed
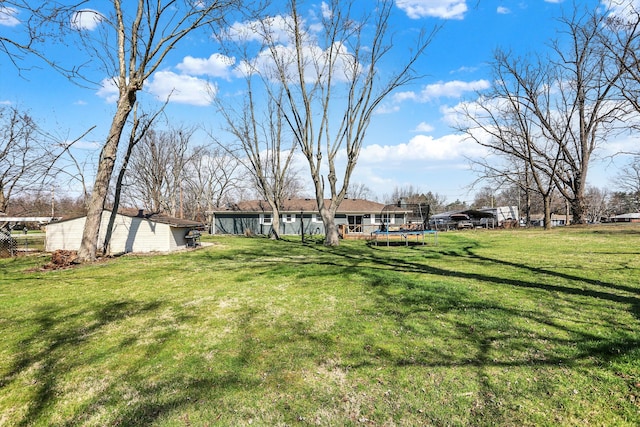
{"points": [[131, 233]]}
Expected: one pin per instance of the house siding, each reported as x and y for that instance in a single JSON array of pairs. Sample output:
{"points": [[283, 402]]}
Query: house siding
{"points": [[232, 224], [239, 223]]}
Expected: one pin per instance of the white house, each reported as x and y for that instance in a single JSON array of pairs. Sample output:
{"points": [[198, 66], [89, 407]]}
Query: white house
{"points": [[131, 233]]}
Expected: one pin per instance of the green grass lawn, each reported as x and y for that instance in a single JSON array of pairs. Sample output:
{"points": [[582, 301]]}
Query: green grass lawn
{"points": [[489, 328]]}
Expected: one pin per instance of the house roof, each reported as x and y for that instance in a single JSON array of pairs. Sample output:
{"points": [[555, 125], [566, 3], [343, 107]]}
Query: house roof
{"points": [[155, 217], [632, 215], [306, 205]]}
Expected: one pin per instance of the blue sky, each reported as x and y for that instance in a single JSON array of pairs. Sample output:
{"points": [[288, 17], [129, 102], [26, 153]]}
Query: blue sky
{"points": [[409, 141]]}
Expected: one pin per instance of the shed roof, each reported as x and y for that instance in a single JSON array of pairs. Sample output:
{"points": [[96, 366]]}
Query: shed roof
{"points": [[155, 217]]}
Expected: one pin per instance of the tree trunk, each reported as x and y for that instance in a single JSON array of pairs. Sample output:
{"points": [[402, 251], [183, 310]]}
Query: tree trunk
{"points": [[275, 221], [89, 243], [578, 209], [106, 249], [528, 207], [332, 237], [3, 200], [547, 211]]}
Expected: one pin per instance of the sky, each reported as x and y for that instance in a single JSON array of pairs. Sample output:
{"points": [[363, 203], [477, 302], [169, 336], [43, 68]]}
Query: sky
{"points": [[410, 140]]}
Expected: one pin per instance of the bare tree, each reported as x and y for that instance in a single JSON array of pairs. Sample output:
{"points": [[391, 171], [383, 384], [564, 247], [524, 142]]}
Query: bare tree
{"points": [[571, 99], [587, 106], [622, 43], [621, 202], [139, 128], [411, 194], [156, 166], [25, 157], [596, 202], [330, 71], [359, 190], [45, 20], [485, 197], [507, 121], [137, 37], [628, 177], [512, 177], [264, 146], [211, 179]]}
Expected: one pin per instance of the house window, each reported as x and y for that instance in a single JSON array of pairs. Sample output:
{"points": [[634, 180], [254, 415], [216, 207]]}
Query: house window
{"points": [[265, 219], [379, 219], [316, 218], [288, 218]]}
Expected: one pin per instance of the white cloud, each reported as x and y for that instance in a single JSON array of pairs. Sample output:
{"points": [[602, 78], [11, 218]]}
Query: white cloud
{"points": [[501, 10], [424, 127], [422, 148], [275, 29], [315, 59], [450, 89], [619, 144], [84, 145], [217, 65], [622, 8], [108, 90], [277, 32], [181, 88], [86, 19], [326, 11], [446, 9], [455, 116], [464, 69], [5, 102], [8, 17], [405, 96], [387, 109]]}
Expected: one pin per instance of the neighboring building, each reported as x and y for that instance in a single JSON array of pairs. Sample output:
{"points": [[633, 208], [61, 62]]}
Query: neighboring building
{"points": [[471, 218], [557, 220], [503, 213], [354, 217], [131, 233], [629, 217], [11, 221]]}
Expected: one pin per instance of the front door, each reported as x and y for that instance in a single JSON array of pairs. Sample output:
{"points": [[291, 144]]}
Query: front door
{"points": [[355, 223]]}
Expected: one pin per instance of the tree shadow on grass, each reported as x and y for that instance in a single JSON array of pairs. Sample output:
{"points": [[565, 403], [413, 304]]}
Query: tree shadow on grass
{"points": [[467, 329], [134, 393], [376, 259], [46, 354], [487, 331]]}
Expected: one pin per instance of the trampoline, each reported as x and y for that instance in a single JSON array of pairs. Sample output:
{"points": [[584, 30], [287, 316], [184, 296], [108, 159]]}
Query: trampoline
{"points": [[416, 221], [405, 235]]}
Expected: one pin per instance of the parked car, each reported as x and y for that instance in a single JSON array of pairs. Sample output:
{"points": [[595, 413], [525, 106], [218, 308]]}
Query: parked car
{"points": [[462, 225]]}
